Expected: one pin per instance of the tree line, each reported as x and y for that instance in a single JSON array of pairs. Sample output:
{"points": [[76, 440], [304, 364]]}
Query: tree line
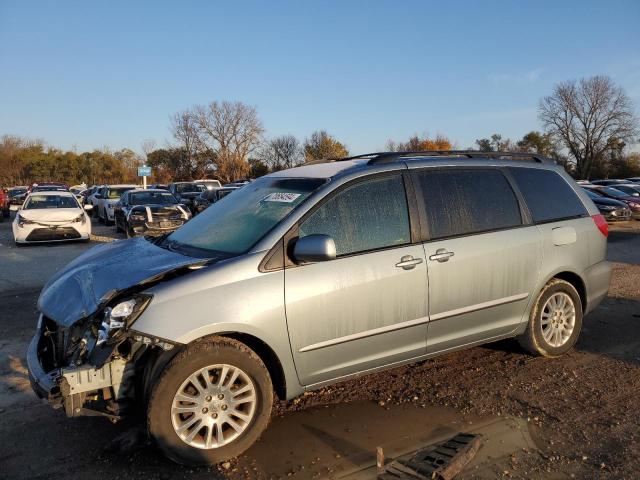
{"points": [[587, 125]]}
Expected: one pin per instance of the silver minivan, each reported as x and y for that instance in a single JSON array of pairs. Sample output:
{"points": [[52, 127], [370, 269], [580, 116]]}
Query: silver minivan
{"points": [[311, 276]]}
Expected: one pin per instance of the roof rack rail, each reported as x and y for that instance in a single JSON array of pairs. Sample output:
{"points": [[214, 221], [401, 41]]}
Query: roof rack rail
{"points": [[377, 158], [389, 157]]}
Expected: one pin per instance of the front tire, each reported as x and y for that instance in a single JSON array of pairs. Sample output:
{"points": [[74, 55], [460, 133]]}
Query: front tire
{"points": [[555, 321], [212, 402]]}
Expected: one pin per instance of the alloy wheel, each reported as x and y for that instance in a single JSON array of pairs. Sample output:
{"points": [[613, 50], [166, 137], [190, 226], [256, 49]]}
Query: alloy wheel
{"points": [[213, 406]]}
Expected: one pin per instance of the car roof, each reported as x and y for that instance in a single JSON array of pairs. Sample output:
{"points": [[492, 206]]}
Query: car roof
{"points": [[418, 159], [319, 170], [123, 185]]}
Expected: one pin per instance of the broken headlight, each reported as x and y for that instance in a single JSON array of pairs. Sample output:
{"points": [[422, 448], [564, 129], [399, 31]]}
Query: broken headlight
{"points": [[121, 316]]}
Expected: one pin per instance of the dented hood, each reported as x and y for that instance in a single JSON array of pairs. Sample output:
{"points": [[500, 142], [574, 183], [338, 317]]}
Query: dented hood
{"points": [[96, 276]]}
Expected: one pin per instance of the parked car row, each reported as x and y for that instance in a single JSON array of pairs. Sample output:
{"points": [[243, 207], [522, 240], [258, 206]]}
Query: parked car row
{"points": [[616, 201], [52, 211]]}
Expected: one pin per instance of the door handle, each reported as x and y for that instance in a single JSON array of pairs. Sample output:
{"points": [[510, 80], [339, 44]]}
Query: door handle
{"points": [[441, 255], [408, 262]]}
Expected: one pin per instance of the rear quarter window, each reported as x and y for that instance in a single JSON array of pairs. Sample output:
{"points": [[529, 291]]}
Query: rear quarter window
{"points": [[547, 194]]}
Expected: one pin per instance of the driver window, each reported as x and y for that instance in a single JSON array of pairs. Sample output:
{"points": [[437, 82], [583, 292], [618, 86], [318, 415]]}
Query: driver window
{"points": [[368, 215]]}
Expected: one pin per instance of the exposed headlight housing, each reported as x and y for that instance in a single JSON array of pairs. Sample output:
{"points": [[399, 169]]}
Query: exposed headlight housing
{"points": [[121, 316], [80, 218], [22, 221], [138, 217]]}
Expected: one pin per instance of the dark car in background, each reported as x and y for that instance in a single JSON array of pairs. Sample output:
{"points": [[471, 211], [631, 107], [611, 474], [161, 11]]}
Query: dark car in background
{"points": [[628, 188], [610, 181], [185, 192], [149, 212], [50, 186], [612, 210], [634, 179], [206, 198], [17, 195], [609, 192]]}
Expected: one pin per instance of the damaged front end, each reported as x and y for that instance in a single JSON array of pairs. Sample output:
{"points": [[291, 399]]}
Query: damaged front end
{"points": [[93, 367]]}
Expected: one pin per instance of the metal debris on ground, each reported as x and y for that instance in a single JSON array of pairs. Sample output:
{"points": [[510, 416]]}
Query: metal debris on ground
{"points": [[442, 461]]}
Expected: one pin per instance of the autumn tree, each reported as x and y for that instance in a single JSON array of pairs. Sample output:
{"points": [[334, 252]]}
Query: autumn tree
{"points": [[588, 117], [322, 146], [417, 143], [282, 152]]}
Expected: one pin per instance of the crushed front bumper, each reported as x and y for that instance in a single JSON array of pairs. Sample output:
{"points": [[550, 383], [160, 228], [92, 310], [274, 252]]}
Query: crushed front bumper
{"points": [[45, 385], [80, 389]]}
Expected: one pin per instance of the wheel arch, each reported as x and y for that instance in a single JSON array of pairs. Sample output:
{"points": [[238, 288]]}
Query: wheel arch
{"points": [[268, 357], [577, 282]]}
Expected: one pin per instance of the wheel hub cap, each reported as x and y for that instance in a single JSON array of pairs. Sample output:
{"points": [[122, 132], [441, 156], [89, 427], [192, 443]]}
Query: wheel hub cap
{"points": [[213, 406], [558, 319]]}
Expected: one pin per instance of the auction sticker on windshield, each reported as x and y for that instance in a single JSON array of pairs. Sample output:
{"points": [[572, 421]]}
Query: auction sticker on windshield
{"points": [[281, 197]]}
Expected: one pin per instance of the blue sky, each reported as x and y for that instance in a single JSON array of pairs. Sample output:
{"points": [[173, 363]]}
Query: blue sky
{"points": [[92, 74]]}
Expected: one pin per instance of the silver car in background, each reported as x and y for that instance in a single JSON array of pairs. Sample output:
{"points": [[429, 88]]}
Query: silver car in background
{"points": [[311, 276]]}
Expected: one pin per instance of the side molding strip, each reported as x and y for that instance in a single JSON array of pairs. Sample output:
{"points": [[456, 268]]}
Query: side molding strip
{"points": [[413, 323]]}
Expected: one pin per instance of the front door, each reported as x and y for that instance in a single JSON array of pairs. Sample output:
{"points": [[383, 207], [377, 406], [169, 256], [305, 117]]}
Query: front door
{"points": [[368, 307]]}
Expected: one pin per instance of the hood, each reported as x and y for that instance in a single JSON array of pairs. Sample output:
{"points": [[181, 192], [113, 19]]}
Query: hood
{"points": [[53, 215], [98, 275]]}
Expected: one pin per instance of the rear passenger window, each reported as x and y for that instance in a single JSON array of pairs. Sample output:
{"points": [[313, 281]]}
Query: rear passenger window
{"points": [[547, 194], [462, 202], [366, 216]]}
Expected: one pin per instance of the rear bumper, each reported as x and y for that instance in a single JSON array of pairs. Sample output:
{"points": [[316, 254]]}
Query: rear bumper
{"points": [[597, 279]]}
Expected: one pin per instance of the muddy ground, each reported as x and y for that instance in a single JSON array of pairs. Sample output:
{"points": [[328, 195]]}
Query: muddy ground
{"points": [[581, 411]]}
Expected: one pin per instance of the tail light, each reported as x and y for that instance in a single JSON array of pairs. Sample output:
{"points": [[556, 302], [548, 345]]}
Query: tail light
{"points": [[601, 223]]}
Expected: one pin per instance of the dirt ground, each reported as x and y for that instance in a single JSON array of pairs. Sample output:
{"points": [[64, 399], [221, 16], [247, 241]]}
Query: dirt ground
{"points": [[582, 410]]}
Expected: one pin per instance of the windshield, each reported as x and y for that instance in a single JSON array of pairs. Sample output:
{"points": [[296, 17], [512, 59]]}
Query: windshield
{"points": [[189, 187], [50, 201], [152, 198], [235, 223], [117, 192]]}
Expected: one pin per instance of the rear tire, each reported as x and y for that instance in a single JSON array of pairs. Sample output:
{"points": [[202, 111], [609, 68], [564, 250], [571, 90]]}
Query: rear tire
{"points": [[555, 320], [230, 367]]}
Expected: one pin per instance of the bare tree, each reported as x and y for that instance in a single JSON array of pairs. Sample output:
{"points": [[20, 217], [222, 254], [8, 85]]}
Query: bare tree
{"points": [[322, 146], [185, 130], [148, 146], [589, 117], [282, 152], [229, 132]]}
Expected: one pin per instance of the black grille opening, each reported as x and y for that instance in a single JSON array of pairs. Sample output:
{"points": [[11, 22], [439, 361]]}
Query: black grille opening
{"points": [[48, 234]]}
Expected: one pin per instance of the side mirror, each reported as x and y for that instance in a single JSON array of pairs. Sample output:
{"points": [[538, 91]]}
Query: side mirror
{"points": [[88, 207], [97, 196], [314, 248]]}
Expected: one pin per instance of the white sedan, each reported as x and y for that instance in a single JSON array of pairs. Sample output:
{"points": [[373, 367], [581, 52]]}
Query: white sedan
{"points": [[51, 217]]}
